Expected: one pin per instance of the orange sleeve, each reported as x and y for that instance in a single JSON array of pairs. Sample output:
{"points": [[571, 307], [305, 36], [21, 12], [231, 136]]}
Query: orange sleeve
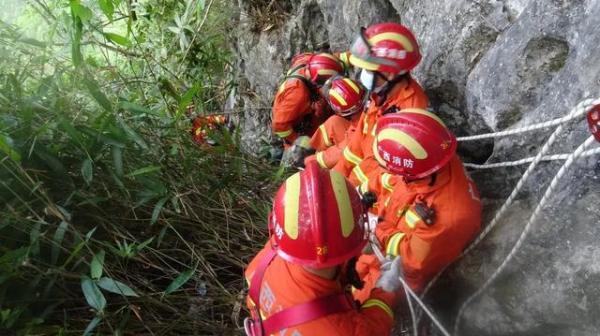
{"points": [[327, 158], [417, 100], [352, 154], [331, 132], [375, 317], [291, 104]]}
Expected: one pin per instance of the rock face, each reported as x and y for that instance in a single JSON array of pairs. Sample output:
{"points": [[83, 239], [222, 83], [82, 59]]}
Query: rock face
{"points": [[487, 66]]}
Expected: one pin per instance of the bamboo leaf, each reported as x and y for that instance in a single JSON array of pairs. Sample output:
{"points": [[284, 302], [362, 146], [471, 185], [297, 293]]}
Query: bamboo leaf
{"points": [[107, 8], [97, 265], [6, 146], [81, 11], [57, 239], [179, 281], [157, 209], [93, 295], [116, 287], [187, 98], [143, 171], [135, 108], [117, 155], [98, 95], [87, 170], [133, 135], [92, 325], [118, 39]]}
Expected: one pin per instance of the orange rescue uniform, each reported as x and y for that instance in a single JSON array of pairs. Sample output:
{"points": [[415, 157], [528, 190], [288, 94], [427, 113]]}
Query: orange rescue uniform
{"points": [[294, 113], [286, 285], [331, 139], [425, 248], [405, 94]]}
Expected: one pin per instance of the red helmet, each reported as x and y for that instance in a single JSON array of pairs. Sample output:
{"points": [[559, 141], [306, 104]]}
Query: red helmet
{"points": [[301, 59], [321, 67], [317, 219], [413, 143], [345, 96], [385, 47]]}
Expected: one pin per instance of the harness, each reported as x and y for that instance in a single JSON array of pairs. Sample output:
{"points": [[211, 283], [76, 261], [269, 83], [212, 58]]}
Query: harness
{"points": [[312, 88], [292, 316]]}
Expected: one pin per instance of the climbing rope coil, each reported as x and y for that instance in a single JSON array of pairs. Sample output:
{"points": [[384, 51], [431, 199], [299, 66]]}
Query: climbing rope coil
{"points": [[590, 107]]}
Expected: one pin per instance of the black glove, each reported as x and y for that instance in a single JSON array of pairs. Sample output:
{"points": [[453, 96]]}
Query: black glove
{"points": [[368, 199]]}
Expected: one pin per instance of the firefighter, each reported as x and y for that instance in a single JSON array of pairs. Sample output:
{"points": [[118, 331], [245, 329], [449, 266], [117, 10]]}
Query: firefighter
{"points": [[299, 283], [298, 108], [386, 53], [432, 210], [347, 99]]}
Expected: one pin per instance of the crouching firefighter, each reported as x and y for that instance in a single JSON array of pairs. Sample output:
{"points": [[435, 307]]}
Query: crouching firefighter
{"points": [[299, 283]]}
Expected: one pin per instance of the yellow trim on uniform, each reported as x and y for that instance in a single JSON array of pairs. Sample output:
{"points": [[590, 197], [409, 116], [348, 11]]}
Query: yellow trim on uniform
{"points": [[411, 218], [338, 97], [292, 205], [393, 37], [364, 187], [321, 160], [340, 190], [374, 130], [370, 303], [424, 112], [408, 142], [324, 134], [198, 131], [351, 157], [362, 177], [385, 181], [394, 243], [284, 134], [365, 129], [352, 85]]}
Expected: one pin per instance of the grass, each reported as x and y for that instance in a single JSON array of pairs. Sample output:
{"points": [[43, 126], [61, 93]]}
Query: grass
{"points": [[113, 220]]}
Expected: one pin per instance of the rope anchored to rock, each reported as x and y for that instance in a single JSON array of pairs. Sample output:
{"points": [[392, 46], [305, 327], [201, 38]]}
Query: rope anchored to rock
{"points": [[591, 107]]}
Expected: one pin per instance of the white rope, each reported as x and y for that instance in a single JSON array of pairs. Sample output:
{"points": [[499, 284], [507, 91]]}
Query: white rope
{"points": [[413, 316], [579, 111], [555, 157], [549, 191], [410, 294], [424, 307]]}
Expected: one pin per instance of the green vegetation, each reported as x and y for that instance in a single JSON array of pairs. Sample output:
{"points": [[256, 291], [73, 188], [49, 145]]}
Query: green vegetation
{"points": [[112, 220]]}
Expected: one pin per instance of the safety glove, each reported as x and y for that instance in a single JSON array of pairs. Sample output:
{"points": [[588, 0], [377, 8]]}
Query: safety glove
{"points": [[300, 149], [391, 271]]}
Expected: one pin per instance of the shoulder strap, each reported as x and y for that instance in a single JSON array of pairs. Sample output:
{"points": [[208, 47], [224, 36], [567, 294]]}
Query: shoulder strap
{"points": [[292, 74], [306, 312], [298, 314], [259, 273]]}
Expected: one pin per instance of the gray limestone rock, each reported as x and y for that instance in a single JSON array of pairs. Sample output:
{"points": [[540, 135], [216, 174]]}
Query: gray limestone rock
{"points": [[488, 65]]}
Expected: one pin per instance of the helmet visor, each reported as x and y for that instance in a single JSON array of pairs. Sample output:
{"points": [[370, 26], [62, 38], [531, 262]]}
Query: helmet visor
{"points": [[362, 50]]}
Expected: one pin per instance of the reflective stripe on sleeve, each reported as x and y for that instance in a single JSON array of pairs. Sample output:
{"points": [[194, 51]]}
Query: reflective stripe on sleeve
{"points": [[325, 135], [351, 157], [360, 175], [411, 218], [385, 181], [394, 243], [284, 134], [370, 303], [321, 160]]}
